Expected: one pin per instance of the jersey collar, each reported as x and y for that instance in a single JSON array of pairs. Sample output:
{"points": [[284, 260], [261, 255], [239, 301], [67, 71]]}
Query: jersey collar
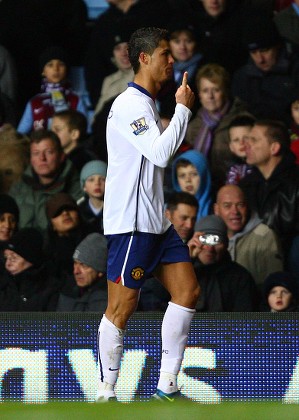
{"points": [[140, 88]]}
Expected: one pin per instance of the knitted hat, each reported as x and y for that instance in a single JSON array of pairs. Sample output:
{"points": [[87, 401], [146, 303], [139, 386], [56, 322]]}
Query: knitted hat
{"points": [[92, 251], [28, 243], [280, 278], [52, 53], [94, 167], [121, 36], [59, 202], [213, 225], [261, 33], [8, 205]]}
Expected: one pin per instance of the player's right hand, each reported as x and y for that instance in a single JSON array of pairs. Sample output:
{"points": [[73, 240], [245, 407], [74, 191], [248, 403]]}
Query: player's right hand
{"points": [[184, 94]]}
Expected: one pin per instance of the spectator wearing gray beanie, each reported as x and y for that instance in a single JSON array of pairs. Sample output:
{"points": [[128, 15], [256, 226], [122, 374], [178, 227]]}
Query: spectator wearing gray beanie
{"points": [[92, 180], [225, 285], [92, 251], [90, 265]]}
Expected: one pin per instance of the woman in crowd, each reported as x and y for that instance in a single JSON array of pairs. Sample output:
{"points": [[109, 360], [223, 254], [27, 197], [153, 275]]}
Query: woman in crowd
{"points": [[208, 131]]}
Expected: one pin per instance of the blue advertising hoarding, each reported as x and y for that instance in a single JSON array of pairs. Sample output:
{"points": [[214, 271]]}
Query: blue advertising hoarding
{"points": [[229, 357]]}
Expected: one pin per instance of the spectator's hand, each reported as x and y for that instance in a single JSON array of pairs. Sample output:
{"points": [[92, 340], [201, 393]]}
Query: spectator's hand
{"points": [[184, 94], [194, 244]]}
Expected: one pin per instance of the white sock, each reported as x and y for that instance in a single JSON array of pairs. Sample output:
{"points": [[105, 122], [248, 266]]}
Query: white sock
{"points": [[110, 350], [175, 328]]}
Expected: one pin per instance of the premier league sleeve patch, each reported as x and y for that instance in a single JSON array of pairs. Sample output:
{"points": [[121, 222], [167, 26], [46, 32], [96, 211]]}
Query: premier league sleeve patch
{"points": [[139, 126]]}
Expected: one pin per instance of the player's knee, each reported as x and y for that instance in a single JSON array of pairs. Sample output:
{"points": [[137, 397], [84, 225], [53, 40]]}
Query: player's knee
{"points": [[187, 297]]}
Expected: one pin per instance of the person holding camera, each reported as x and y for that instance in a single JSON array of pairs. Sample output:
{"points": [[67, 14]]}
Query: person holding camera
{"points": [[225, 285]]}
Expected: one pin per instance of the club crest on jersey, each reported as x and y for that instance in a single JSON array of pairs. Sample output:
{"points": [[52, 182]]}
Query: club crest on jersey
{"points": [[137, 273], [139, 126]]}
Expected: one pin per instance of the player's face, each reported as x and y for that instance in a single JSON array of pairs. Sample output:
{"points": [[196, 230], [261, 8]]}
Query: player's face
{"points": [[211, 95], [182, 47], [214, 7], [188, 179], [84, 275], [95, 186], [14, 263], [232, 208], [279, 298], [55, 71], [183, 219], [65, 222], [45, 158], [8, 225], [237, 140], [161, 63]]}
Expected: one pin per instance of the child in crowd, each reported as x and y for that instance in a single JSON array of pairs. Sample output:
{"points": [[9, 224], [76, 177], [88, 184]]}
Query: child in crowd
{"points": [[70, 126], [294, 129], [92, 179], [56, 93], [280, 292], [191, 173], [239, 130]]}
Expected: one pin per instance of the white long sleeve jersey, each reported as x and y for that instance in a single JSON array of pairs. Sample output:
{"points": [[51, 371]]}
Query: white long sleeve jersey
{"points": [[138, 152]]}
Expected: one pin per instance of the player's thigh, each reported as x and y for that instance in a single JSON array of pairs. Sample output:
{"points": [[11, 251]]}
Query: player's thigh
{"points": [[180, 281]]}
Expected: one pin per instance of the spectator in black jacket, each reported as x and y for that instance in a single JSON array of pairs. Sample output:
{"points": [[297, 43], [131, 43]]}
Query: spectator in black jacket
{"points": [[66, 230], [272, 188], [89, 294], [225, 285], [26, 285], [270, 79]]}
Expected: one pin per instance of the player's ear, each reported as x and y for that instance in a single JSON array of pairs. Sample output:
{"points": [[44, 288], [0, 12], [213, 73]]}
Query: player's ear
{"points": [[143, 57]]}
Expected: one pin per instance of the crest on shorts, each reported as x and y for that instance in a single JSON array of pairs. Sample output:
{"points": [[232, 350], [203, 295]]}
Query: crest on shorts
{"points": [[137, 273], [139, 126]]}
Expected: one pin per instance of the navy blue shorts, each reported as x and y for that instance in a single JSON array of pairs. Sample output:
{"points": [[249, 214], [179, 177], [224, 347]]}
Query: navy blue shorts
{"points": [[132, 258]]}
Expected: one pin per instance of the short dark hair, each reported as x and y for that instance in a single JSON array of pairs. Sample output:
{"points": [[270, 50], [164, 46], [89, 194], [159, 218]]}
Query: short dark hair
{"points": [[40, 135], [75, 121], [276, 131], [145, 40], [182, 163], [242, 120], [181, 197]]}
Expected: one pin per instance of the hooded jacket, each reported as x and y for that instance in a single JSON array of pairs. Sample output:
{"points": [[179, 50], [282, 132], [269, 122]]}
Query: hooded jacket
{"points": [[203, 195]]}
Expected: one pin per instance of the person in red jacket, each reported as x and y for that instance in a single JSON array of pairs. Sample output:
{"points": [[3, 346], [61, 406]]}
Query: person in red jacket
{"points": [[55, 95]]}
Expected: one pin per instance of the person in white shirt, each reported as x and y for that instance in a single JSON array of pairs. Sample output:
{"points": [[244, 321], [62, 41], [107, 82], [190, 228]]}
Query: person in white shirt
{"points": [[141, 240]]}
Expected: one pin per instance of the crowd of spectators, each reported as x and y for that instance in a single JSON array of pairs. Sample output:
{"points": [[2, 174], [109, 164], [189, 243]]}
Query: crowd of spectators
{"points": [[231, 191]]}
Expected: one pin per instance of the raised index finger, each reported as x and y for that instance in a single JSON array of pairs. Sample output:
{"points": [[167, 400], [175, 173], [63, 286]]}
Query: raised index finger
{"points": [[185, 79]]}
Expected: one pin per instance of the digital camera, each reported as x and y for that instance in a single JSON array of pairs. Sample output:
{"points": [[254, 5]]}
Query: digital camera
{"points": [[209, 239]]}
